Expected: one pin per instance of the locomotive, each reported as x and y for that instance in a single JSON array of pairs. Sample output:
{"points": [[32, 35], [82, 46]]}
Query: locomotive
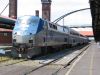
{"points": [[33, 36]]}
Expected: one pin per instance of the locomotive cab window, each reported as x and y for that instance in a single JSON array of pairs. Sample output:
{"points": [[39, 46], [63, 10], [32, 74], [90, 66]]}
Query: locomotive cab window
{"points": [[33, 21]]}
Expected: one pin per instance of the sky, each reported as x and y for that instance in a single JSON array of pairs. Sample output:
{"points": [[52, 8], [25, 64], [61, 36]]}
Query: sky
{"points": [[58, 8]]}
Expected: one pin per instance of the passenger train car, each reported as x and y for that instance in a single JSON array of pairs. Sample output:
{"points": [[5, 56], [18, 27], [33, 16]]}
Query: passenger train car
{"points": [[33, 35]]}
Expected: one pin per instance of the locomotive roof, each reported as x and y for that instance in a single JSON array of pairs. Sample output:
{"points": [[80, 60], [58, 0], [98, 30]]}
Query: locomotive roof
{"points": [[28, 16], [38, 18]]}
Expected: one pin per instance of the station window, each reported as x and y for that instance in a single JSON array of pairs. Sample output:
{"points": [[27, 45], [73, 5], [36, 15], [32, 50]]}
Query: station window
{"points": [[0, 33], [5, 34]]}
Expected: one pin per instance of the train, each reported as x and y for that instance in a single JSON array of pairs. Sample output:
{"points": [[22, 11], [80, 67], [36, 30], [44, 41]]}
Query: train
{"points": [[32, 36]]}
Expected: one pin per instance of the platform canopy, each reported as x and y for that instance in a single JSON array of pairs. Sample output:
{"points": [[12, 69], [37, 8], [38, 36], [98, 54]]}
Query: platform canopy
{"points": [[7, 20], [95, 12]]}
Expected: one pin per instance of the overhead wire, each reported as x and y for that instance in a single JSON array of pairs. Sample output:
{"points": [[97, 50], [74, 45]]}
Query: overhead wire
{"points": [[3, 5], [4, 8]]}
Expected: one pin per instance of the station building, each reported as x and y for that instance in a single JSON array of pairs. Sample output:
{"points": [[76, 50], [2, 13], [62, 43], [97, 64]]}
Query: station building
{"points": [[5, 36], [6, 26]]}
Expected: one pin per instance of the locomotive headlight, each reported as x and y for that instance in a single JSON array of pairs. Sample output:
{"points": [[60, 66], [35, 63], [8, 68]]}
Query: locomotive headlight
{"points": [[14, 36], [18, 33]]}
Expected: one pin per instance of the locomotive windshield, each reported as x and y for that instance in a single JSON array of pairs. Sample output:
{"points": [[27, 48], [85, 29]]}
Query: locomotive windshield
{"points": [[26, 24], [27, 21]]}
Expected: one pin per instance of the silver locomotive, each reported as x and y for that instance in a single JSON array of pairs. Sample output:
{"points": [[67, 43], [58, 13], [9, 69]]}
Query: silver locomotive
{"points": [[33, 35]]}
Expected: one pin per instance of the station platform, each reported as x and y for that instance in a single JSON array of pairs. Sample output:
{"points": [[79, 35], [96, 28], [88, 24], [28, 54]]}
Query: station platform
{"points": [[88, 63], [5, 46]]}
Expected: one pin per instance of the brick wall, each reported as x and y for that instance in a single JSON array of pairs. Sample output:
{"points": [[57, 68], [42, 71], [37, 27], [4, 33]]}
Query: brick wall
{"points": [[5, 37]]}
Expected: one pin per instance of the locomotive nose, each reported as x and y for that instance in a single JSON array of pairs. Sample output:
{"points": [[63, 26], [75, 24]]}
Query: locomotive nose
{"points": [[23, 39]]}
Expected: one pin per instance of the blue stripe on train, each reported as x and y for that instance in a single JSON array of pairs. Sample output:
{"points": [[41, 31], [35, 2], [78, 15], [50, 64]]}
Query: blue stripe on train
{"points": [[40, 25]]}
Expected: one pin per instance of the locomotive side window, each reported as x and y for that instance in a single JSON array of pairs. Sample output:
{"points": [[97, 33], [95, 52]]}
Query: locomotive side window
{"points": [[52, 26], [55, 27], [65, 40], [44, 39], [66, 30], [73, 40]]}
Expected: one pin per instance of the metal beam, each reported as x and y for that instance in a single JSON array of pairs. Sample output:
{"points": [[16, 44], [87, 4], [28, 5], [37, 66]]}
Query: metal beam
{"points": [[58, 19]]}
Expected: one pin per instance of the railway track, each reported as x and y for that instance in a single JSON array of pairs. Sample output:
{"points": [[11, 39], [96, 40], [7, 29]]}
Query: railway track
{"points": [[3, 59], [56, 63], [69, 62], [11, 62], [32, 67], [6, 59]]}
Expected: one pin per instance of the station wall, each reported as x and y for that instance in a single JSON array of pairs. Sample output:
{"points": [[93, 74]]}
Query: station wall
{"points": [[5, 38]]}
